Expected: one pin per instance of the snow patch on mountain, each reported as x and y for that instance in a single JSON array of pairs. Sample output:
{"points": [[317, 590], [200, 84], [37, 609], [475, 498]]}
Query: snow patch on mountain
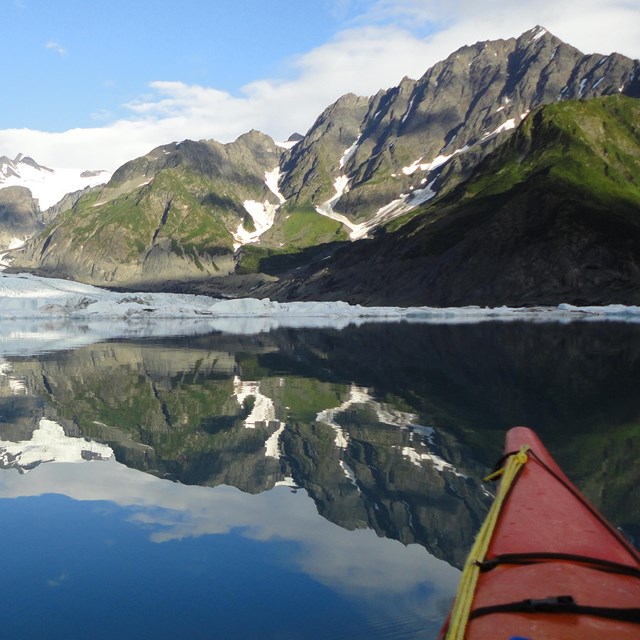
{"points": [[48, 186], [408, 111], [263, 214], [505, 126], [437, 162], [49, 443], [263, 410], [348, 153], [289, 144], [14, 243], [583, 84], [271, 179], [395, 209], [341, 186], [326, 209], [406, 202], [541, 31]]}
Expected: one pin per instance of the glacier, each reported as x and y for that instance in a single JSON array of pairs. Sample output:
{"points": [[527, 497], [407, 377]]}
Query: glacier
{"points": [[48, 186]]}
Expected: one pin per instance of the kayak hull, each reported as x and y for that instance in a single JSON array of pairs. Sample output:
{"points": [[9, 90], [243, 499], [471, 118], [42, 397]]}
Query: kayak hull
{"points": [[552, 559]]}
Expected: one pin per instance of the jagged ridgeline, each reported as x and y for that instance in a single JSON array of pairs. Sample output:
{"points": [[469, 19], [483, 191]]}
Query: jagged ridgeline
{"points": [[251, 213]]}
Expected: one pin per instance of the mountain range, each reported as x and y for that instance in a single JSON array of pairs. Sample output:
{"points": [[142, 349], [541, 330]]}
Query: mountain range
{"points": [[507, 174]]}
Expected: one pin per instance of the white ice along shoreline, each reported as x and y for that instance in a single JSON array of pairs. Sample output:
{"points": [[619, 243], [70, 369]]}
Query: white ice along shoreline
{"points": [[33, 297]]}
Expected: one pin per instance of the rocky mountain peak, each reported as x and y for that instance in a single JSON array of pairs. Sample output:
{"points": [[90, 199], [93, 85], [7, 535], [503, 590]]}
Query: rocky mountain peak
{"points": [[253, 147], [14, 168], [434, 130]]}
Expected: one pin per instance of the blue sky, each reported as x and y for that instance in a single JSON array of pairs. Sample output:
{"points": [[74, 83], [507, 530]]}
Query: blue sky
{"points": [[76, 62], [93, 83]]}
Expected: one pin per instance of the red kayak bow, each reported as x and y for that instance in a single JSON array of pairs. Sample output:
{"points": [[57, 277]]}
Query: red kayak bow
{"points": [[545, 564]]}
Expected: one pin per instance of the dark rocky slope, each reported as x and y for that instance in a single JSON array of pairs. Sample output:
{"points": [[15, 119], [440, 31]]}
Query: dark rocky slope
{"points": [[18, 214]]}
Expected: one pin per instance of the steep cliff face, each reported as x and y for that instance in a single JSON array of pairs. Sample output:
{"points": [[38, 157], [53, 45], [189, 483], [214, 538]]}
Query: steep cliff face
{"points": [[313, 164], [18, 215]]}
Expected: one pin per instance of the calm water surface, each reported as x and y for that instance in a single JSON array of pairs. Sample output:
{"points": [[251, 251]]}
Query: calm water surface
{"points": [[293, 484]]}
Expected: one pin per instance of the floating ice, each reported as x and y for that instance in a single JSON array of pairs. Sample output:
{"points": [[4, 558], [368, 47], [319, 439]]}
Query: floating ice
{"points": [[45, 314]]}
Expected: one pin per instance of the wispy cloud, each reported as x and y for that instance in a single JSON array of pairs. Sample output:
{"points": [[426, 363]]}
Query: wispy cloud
{"points": [[58, 580], [103, 115], [601, 26], [55, 46]]}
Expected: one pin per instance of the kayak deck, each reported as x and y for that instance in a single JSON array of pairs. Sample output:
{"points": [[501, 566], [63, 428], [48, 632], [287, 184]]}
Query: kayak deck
{"points": [[553, 568]]}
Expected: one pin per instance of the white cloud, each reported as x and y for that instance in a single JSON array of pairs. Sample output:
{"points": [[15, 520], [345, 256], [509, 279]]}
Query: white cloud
{"points": [[593, 26], [173, 511], [393, 38], [55, 46]]}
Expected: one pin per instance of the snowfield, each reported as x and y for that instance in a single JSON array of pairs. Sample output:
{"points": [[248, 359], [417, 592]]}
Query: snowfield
{"points": [[49, 186]]}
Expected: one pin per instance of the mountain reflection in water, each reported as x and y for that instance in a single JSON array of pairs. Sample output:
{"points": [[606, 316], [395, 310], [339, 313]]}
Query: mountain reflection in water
{"points": [[387, 428]]}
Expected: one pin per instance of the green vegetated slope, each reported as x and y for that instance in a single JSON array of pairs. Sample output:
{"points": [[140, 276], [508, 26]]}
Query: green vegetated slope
{"points": [[172, 215], [590, 149], [552, 216], [298, 233]]}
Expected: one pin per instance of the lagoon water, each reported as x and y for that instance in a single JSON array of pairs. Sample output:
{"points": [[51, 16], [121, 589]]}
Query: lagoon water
{"points": [[294, 483]]}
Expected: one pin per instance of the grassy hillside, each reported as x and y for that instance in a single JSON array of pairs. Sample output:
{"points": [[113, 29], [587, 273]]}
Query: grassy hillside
{"points": [[591, 147]]}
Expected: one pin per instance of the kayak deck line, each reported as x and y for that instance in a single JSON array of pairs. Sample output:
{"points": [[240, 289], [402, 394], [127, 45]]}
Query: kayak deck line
{"points": [[542, 538], [559, 604], [538, 556]]}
